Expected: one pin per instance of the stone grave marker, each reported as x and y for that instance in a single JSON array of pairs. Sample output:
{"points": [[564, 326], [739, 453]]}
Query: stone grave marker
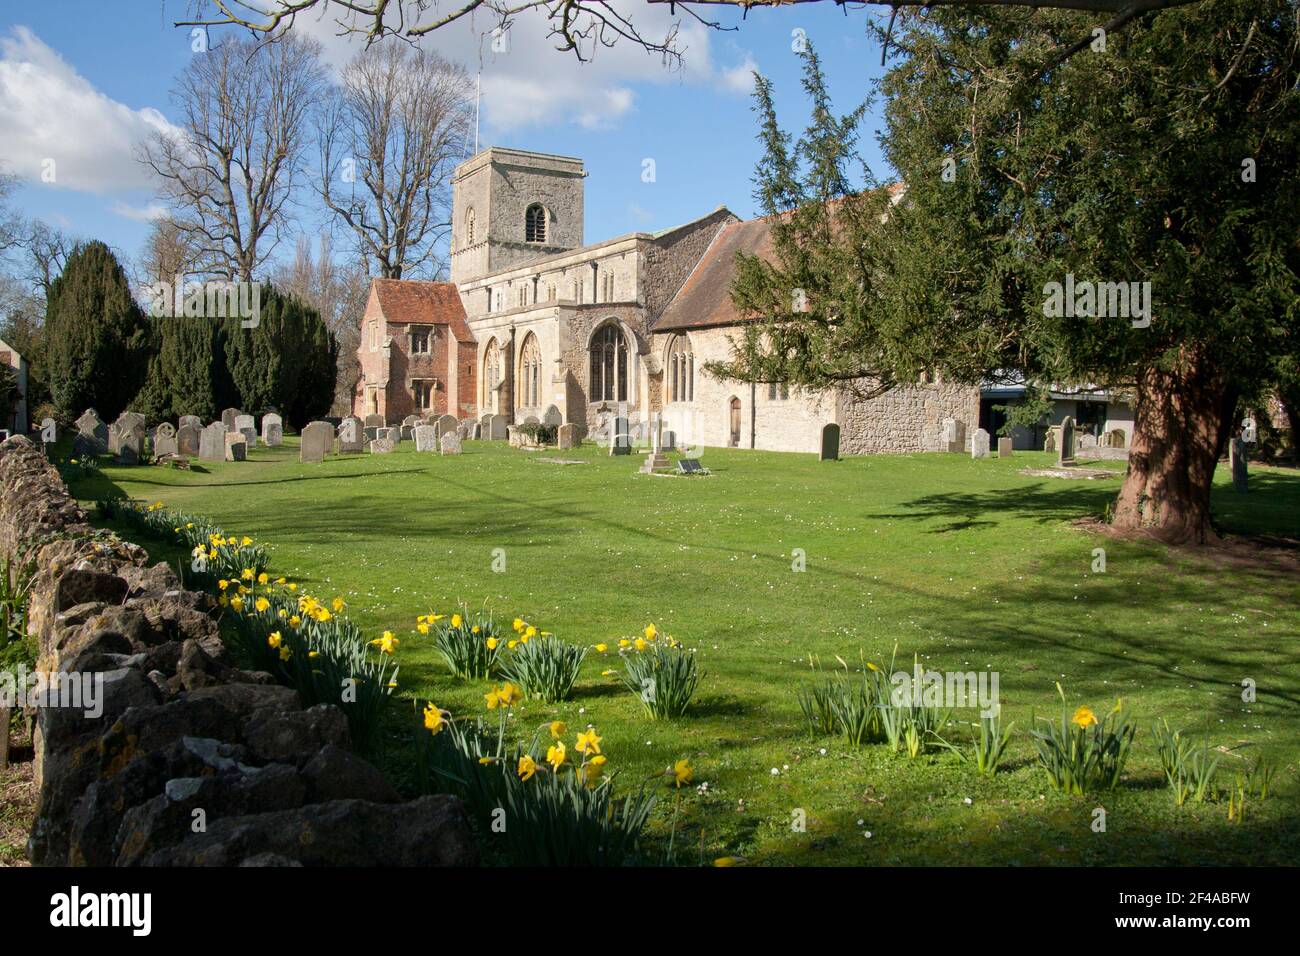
{"points": [[476, 432], [691, 466], [979, 444], [236, 446], [1004, 447], [228, 418], [92, 434], [830, 450], [49, 431], [381, 446], [316, 442], [1053, 438], [375, 420], [1065, 450], [189, 420], [370, 433], [351, 436], [212, 442], [496, 428], [407, 432], [566, 436], [426, 438], [1086, 442], [1237, 454], [620, 441], [411, 421], [954, 435], [127, 441], [164, 440], [449, 443], [1115, 438], [272, 430], [552, 416], [445, 424], [187, 439]]}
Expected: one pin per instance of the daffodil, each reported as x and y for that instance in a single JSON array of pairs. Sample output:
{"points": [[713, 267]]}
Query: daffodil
{"points": [[640, 644], [589, 773], [530, 631], [223, 584], [280, 581], [237, 603], [558, 728], [285, 652], [247, 574], [608, 672], [1083, 717], [588, 743], [650, 632], [387, 643], [475, 629], [512, 644], [527, 767], [261, 604], [274, 639], [455, 620], [422, 628], [433, 721], [682, 772], [491, 643], [338, 604], [518, 625], [263, 578], [246, 541], [295, 621], [556, 755], [601, 648]]}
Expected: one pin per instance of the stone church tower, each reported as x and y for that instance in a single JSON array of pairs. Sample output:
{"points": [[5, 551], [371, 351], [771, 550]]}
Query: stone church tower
{"points": [[510, 206]]}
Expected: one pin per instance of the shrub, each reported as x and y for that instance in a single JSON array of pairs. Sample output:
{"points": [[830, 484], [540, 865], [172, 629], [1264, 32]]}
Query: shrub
{"points": [[545, 667], [470, 644], [1082, 753], [661, 672]]}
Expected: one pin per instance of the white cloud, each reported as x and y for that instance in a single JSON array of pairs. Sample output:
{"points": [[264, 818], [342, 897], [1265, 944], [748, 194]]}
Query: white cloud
{"points": [[146, 213], [740, 79], [48, 111]]}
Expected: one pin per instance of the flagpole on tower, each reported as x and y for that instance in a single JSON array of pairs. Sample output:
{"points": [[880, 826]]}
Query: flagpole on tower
{"points": [[478, 94]]}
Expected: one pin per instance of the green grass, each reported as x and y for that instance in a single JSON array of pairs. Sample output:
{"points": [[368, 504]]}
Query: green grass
{"points": [[968, 563]]}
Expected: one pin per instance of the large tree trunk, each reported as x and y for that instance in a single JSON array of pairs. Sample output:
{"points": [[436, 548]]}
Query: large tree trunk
{"points": [[1181, 423]]}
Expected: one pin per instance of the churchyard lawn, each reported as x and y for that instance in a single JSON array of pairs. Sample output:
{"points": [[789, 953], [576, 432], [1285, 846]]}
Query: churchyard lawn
{"points": [[968, 564]]}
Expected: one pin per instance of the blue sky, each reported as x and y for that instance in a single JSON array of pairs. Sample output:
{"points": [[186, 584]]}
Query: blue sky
{"points": [[92, 78]]}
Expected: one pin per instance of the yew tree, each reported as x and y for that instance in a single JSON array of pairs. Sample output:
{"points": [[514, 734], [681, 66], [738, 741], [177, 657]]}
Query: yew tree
{"points": [[1167, 155]]}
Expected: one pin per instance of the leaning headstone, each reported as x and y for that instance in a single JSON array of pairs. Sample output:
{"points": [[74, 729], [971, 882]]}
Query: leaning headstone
{"points": [[449, 444], [127, 441], [496, 428], [426, 438], [1065, 450], [212, 442], [979, 444], [566, 436], [236, 446], [187, 439], [381, 446], [272, 430], [189, 420], [1240, 472], [830, 450], [375, 420], [1004, 447], [316, 442], [351, 437], [228, 418], [477, 432], [92, 434], [164, 440]]}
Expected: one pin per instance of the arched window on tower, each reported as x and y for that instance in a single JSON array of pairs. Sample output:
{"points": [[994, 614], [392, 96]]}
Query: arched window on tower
{"points": [[530, 373], [535, 223], [609, 365], [469, 226], [681, 370]]}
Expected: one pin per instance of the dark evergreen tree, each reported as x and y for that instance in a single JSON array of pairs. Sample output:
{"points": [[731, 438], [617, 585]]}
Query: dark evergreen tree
{"points": [[97, 337]]}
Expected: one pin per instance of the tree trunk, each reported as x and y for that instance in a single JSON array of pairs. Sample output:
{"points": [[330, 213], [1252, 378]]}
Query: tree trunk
{"points": [[1181, 423]]}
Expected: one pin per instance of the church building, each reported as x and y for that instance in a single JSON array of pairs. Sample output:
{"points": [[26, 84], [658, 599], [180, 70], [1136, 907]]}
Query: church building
{"points": [[538, 325]]}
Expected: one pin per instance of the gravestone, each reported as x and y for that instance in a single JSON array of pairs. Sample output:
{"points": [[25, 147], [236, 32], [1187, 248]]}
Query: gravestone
{"points": [[449, 443], [1065, 450], [92, 434], [670, 440], [316, 442], [189, 420], [127, 441], [1240, 472], [1004, 447], [1115, 438], [228, 418], [236, 446], [620, 441], [477, 432], [375, 420], [212, 442], [979, 444], [129, 420], [690, 466], [381, 446], [1086, 442], [830, 450], [426, 438], [164, 440], [272, 430], [407, 432], [410, 421], [566, 436], [1052, 439], [496, 428], [552, 416], [953, 437], [352, 439], [445, 424], [187, 439], [370, 432]]}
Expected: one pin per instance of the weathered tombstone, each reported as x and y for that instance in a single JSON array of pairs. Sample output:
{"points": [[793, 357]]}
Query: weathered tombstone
{"points": [[351, 438], [375, 420], [1086, 442], [272, 430], [670, 440], [381, 446], [411, 421], [187, 439], [393, 435], [1115, 438], [445, 424], [236, 446], [189, 420], [449, 444], [212, 442], [127, 441], [979, 444], [228, 418], [407, 432], [954, 435], [1240, 472], [477, 432], [1053, 438], [316, 442], [1065, 450], [92, 434], [496, 430], [620, 439], [426, 438], [830, 450], [566, 436], [1005, 447], [164, 440], [552, 416], [128, 420]]}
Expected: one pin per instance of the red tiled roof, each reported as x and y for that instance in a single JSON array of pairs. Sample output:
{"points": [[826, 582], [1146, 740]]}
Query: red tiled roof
{"points": [[423, 303], [705, 297]]}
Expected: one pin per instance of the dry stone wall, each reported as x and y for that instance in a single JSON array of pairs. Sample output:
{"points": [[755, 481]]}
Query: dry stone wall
{"points": [[176, 734]]}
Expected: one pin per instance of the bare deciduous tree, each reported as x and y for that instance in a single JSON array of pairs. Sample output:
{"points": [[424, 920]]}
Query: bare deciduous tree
{"points": [[390, 136], [47, 248], [168, 251], [231, 172]]}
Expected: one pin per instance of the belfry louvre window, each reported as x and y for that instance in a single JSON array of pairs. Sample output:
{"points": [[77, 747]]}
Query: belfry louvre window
{"points": [[535, 223], [609, 366]]}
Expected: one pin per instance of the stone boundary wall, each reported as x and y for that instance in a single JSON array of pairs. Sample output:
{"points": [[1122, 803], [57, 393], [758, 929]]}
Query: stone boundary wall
{"points": [[183, 737]]}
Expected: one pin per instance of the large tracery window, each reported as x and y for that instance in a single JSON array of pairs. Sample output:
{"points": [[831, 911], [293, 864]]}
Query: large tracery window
{"points": [[535, 223], [681, 370], [609, 366], [530, 372]]}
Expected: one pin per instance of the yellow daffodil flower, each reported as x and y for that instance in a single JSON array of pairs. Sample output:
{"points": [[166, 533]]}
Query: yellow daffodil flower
{"points": [[682, 772], [556, 755], [1083, 717], [223, 584], [338, 604], [650, 632], [263, 578], [588, 743], [285, 653], [455, 620], [422, 628], [601, 648], [433, 721], [558, 728], [261, 604], [274, 639], [387, 644], [527, 767], [491, 643]]}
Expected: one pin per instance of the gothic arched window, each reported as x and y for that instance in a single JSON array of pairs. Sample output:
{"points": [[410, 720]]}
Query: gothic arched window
{"points": [[530, 372], [535, 223], [491, 371], [469, 226], [609, 365], [681, 370]]}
